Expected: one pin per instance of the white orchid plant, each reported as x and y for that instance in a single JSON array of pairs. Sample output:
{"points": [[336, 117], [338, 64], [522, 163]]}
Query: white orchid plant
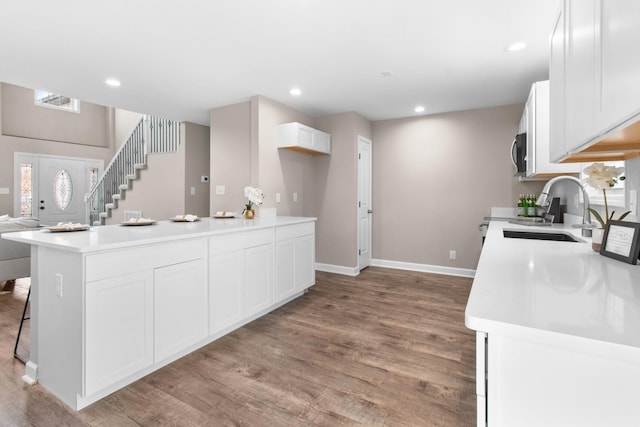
{"points": [[602, 177], [255, 196]]}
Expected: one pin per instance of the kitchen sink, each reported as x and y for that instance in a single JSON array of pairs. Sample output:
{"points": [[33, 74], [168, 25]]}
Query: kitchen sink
{"points": [[541, 235]]}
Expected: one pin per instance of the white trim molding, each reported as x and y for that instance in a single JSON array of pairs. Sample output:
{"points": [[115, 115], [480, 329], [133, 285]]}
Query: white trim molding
{"points": [[337, 269], [426, 268]]}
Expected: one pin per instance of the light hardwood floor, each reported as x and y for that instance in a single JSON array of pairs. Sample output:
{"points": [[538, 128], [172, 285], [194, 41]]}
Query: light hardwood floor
{"points": [[386, 348]]}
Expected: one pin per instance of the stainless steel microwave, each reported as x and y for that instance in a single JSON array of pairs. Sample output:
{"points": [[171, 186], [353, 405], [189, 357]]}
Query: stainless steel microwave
{"points": [[519, 154]]}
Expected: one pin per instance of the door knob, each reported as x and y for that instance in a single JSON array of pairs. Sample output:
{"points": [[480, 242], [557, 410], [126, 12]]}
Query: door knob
{"points": [[41, 208], [369, 211]]}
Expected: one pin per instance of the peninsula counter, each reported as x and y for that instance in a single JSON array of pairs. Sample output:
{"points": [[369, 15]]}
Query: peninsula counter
{"points": [[111, 304]]}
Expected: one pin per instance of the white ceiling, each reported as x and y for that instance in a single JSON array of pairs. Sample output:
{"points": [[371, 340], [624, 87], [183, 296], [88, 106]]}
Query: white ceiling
{"points": [[179, 59]]}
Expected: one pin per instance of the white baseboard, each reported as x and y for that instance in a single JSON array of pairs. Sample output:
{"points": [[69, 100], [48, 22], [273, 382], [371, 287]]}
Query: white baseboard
{"points": [[426, 268], [337, 269]]}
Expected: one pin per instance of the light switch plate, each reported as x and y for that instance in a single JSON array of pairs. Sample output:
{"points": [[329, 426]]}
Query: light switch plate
{"points": [[220, 190], [4, 190]]}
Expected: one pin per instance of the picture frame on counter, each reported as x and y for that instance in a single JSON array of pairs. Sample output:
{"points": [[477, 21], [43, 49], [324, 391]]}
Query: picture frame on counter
{"points": [[621, 241]]}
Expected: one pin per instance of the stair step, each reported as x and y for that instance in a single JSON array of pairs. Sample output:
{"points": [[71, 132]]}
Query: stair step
{"points": [[116, 197], [109, 205], [123, 187], [140, 166], [103, 215], [132, 177]]}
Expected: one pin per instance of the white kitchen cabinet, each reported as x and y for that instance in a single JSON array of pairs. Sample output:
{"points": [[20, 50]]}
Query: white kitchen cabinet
{"points": [[620, 63], [113, 305], [259, 292], [299, 137], [557, 89], [536, 123], [180, 307], [119, 329], [295, 259], [226, 289], [581, 51], [241, 277], [595, 79]]}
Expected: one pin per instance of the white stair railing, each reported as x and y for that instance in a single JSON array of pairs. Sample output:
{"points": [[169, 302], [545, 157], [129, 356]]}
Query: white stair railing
{"points": [[151, 135]]}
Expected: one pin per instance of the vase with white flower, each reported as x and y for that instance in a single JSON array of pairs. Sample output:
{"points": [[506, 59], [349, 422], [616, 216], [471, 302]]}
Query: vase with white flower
{"points": [[256, 197], [603, 177]]}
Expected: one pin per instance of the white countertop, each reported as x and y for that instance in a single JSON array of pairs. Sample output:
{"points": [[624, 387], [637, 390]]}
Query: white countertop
{"points": [[524, 286], [121, 236]]}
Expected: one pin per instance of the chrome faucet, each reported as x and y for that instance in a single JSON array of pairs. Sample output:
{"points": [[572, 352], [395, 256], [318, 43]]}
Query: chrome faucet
{"points": [[586, 215]]}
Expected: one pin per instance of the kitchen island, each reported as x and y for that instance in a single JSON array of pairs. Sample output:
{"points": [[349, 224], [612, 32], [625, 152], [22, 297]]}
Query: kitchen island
{"points": [[558, 333], [111, 304]]}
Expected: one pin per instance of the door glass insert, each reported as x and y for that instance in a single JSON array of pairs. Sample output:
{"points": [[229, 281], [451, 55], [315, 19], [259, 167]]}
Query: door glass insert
{"points": [[62, 190], [26, 189]]}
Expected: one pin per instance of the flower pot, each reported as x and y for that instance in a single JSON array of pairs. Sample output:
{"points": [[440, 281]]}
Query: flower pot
{"points": [[596, 239], [248, 213]]}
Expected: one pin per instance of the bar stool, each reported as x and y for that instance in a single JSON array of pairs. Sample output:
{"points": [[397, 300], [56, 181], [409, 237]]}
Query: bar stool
{"points": [[24, 317]]}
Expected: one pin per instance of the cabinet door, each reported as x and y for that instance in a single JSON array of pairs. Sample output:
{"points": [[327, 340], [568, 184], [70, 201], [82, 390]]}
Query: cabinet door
{"points": [[305, 137], [259, 290], [119, 329], [620, 63], [305, 271], [285, 274], [180, 307], [226, 289], [322, 142], [557, 148], [580, 72]]}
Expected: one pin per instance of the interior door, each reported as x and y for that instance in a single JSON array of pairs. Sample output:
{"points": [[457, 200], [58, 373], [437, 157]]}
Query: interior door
{"points": [[61, 187], [364, 202]]}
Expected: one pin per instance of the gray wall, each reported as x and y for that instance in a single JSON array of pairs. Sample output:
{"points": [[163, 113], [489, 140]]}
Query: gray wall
{"points": [[91, 126], [336, 190], [435, 177], [197, 154]]}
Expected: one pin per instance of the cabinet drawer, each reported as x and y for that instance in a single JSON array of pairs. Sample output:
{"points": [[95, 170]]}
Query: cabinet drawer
{"points": [[235, 241], [124, 261], [296, 230]]}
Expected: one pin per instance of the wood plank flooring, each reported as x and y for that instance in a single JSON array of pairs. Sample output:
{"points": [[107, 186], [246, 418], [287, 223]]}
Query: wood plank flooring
{"points": [[386, 348]]}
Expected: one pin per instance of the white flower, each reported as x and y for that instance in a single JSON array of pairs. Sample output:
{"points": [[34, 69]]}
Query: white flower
{"points": [[255, 196], [601, 177]]}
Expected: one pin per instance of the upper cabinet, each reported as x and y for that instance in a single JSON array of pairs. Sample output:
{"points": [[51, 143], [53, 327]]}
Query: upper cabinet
{"points": [[595, 81], [299, 137], [535, 122]]}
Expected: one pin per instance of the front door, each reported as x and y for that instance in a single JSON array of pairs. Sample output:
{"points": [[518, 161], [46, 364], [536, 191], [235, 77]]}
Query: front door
{"points": [[61, 187], [364, 202]]}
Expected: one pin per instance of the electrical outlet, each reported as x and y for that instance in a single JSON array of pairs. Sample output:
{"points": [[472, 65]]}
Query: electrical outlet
{"points": [[59, 285], [220, 190], [277, 197], [295, 197], [452, 254], [193, 191]]}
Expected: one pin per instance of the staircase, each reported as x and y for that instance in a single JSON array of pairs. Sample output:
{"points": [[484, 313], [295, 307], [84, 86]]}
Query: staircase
{"points": [[151, 135]]}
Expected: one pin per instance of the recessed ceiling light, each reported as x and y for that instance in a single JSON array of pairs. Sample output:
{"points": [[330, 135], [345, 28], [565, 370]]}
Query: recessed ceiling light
{"points": [[514, 47], [419, 109], [295, 91], [387, 73], [112, 82]]}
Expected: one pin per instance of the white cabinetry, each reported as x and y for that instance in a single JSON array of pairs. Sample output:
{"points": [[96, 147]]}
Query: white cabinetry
{"points": [[595, 78], [119, 329], [130, 300], [536, 123], [241, 281], [299, 137], [619, 62], [295, 259], [180, 307], [557, 89]]}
